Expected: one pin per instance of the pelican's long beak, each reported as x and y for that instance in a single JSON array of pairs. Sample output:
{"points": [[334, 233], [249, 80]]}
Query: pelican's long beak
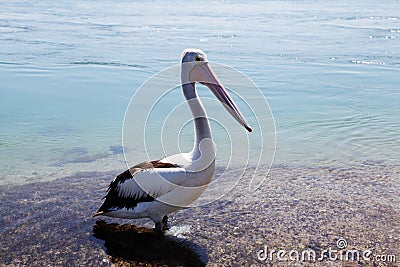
{"points": [[203, 73]]}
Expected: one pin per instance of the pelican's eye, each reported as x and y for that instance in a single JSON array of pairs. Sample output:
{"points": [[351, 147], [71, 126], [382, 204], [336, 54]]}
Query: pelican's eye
{"points": [[199, 58]]}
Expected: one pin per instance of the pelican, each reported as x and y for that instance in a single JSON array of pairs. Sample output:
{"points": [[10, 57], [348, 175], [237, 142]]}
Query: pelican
{"points": [[157, 188]]}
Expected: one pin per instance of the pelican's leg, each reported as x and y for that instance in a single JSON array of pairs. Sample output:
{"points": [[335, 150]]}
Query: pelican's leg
{"points": [[162, 226], [158, 227], [164, 223]]}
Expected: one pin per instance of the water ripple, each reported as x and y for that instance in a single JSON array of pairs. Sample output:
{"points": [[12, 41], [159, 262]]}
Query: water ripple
{"points": [[109, 64]]}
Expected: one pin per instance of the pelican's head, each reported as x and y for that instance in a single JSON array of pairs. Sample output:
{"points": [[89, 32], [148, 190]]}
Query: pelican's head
{"points": [[193, 55], [195, 68]]}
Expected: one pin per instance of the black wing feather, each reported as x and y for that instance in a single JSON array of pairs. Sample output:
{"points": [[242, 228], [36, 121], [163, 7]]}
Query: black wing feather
{"points": [[114, 201]]}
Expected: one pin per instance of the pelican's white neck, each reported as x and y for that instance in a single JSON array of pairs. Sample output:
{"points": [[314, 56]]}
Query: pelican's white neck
{"points": [[202, 141]]}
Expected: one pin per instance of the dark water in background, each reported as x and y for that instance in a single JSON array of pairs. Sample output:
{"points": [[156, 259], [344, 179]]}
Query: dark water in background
{"points": [[330, 71]]}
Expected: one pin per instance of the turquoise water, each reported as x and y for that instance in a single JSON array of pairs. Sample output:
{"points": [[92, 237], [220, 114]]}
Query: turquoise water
{"points": [[330, 71]]}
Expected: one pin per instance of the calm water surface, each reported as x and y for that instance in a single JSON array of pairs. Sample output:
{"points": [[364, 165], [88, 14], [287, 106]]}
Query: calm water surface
{"points": [[330, 71]]}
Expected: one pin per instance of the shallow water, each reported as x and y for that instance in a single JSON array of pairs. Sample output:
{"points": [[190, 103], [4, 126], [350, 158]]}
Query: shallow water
{"points": [[299, 208], [330, 72]]}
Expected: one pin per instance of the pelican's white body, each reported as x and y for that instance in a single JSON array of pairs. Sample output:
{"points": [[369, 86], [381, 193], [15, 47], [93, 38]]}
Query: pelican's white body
{"points": [[173, 188]]}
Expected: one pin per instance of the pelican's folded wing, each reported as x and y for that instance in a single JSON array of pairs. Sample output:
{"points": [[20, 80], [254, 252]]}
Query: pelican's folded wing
{"points": [[142, 183]]}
